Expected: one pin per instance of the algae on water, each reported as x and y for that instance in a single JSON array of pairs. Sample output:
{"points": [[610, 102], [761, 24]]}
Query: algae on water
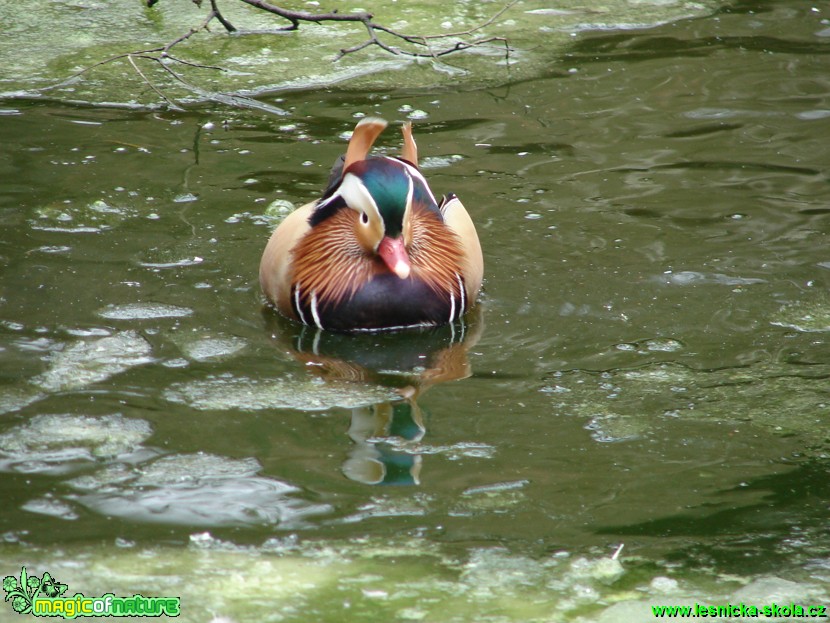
{"points": [[289, 580], [43, 44]]}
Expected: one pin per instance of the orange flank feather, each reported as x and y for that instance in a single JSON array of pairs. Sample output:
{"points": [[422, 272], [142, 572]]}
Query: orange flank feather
{"points": [[435, 253]]}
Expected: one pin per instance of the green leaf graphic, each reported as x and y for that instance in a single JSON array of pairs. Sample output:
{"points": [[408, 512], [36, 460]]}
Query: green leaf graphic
{"points": [[51, 587]]}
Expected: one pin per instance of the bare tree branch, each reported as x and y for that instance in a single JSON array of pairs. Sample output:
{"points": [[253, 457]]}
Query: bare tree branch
{"points": [[295, 17], [215, 11], [367, 19], [162, 57], [173, 105]]}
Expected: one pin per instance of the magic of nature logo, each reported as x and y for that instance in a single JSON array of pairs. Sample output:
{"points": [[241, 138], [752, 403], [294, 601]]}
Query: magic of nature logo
{"points": [[44, 597]]}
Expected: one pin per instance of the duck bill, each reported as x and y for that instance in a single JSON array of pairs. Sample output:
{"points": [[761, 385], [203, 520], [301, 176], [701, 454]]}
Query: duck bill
{"points": [[393, 253]]}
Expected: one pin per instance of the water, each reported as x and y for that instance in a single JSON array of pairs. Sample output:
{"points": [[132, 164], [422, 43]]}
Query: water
{"points": [[647, 366]]}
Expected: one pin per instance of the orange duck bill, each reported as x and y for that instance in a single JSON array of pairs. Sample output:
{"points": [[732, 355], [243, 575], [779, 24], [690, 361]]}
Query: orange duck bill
{"points": [[393, 253]]}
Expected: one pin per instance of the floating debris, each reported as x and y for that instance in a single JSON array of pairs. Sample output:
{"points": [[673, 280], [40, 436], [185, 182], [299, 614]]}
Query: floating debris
{"points": [[86, 362], [54, 443], [204, 346], [143, 311], [805, 316], [199, 490], [224, 392]]}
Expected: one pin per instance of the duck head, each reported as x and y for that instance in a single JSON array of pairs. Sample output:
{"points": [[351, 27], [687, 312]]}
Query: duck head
{"points": [[384, 192]]}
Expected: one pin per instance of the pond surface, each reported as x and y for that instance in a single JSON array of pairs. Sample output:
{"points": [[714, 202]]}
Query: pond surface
{"points": [[647, 367]]}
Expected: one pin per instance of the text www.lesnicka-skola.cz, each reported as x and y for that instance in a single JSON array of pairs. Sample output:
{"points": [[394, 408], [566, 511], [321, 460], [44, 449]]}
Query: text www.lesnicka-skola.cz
{"points": [[770, 611]]}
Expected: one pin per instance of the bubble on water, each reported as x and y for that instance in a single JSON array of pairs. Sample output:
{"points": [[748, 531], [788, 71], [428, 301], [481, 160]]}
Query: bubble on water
{"points": [[437, 162], [185, 198], [92, 217], [276, 212]]}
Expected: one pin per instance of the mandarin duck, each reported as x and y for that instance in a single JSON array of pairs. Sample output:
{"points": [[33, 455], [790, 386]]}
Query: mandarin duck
{"points": [[377, 251]]}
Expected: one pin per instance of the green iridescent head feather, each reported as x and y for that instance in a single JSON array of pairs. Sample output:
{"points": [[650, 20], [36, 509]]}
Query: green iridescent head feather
{"points": [[389, 185]]}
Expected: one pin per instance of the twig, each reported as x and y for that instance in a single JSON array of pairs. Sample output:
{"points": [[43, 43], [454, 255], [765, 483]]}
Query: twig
{"points": [[295, 17], [170, 102], [215, 11], [421, 39], [233, 100], [191, 32]]}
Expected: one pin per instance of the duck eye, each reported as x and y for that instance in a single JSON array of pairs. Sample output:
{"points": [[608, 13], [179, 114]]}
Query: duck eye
{"points": [[364, 218]]}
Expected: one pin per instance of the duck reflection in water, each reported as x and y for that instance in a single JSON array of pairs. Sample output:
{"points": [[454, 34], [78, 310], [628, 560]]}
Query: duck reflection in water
{"points": [[387, 435]]}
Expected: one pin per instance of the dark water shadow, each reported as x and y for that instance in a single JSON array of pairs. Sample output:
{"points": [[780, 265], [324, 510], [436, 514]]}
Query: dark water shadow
{"points": [[766, 536]]}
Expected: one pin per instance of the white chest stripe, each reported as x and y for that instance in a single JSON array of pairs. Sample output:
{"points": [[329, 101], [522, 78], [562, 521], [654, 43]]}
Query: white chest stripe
{"points": [[314, 313], [463, 294], [297, 306]]}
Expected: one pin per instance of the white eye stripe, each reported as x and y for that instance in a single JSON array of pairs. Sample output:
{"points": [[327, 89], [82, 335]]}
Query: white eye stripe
{"points": [[410, 191], [357, 196]]}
